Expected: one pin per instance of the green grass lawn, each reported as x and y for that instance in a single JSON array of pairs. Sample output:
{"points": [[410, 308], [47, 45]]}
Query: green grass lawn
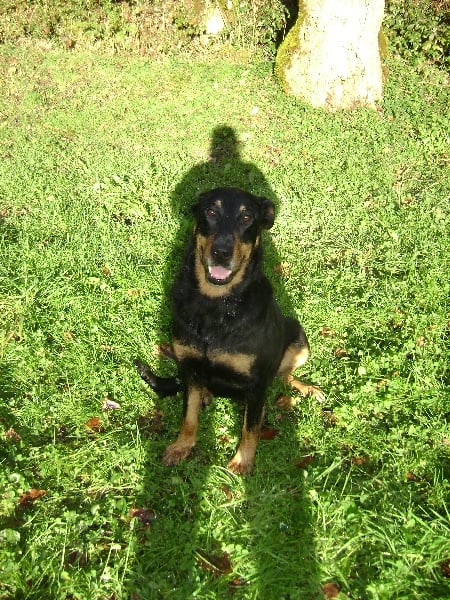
{"points": [[98, 159]]}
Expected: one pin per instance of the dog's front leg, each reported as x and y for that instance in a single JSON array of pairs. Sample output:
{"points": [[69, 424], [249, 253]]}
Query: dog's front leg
{"points": [[182, 447], [244, 459]]}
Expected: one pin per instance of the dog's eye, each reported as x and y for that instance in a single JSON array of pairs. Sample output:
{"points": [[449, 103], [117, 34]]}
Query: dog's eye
{"points": [[210, 213], [246, 218]]}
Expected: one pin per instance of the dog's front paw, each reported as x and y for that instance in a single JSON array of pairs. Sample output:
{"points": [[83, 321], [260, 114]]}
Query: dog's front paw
{"points": [[174, 453], [240, 464]]}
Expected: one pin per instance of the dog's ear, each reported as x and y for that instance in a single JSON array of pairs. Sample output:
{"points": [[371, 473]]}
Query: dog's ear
{"points": [[201, 198], [268, 212]]}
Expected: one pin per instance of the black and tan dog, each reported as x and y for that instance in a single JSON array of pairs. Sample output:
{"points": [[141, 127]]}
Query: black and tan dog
{"points": [[229, 336]]}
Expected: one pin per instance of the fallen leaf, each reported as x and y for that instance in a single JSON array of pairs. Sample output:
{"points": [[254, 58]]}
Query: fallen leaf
{"points": [[410, 476], [219, 565], [359, 460], [107, 348], [227, 491], [110, 404], [268, 433], [12, 435], [134, 292], [237, 583], [151, 423], [94, 424], [145, 515], [304, 461], [331, 590], [330, 416], [340, 352], [284, 269], [445, 567], [381, 383], [326, 332], [446, 441], [27, 499]]}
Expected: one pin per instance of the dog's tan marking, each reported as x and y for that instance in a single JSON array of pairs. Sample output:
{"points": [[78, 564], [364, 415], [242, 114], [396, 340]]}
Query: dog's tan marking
{"points": [[295, 356], [183, 351], [182, 447], [244, 459], [241, 256], [236, 361]]}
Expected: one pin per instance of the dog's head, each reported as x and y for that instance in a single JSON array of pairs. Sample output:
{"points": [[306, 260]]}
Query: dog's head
{"points": [[227, 232]]}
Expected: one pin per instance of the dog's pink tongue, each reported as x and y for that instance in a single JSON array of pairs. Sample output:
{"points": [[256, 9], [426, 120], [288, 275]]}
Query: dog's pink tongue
{"points": [[219, 273]]}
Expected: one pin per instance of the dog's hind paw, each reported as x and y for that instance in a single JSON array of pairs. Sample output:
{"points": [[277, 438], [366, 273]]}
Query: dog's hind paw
{"points": [[285, 402], [174, 453]]}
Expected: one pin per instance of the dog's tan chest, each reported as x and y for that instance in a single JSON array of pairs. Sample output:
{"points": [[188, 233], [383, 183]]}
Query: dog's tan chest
{"points": [[238, 362]]}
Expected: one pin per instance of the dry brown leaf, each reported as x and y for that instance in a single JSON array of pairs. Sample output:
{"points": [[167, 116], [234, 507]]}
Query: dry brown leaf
{"points": [[227, 491], [330, 416], [445, 567], [326, 331], [237, 583], [268, 433], [219, 565], [340, 352], [331, 589], [27, 499], [304, 461], [134, 292], [359, 460], [381, 383], [94, 424], [145, 515], [284, 269], [12, 435]]}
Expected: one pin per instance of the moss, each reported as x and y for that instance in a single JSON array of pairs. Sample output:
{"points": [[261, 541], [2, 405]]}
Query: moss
{"points": [[287, 48]]}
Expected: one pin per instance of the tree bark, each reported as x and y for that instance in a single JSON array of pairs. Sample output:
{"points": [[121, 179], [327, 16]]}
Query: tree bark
{"points": [[331, 56]]}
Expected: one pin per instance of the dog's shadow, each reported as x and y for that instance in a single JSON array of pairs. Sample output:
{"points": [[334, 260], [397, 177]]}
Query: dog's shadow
{"points": [[223, 168]]}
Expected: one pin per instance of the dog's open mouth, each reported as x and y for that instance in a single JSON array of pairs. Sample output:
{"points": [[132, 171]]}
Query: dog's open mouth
{"points": [[219, 275]]}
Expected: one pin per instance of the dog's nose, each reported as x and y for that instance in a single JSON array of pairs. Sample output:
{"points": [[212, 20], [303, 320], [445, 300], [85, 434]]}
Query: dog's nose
{"points": [[222, 249]]}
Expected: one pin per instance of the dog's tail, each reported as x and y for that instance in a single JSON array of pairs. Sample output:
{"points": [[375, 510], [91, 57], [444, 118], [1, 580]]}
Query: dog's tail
{"points": [[163, 386]]}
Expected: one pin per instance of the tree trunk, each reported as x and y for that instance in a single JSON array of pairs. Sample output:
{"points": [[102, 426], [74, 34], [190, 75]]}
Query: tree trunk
{"points": [[331, 57]]}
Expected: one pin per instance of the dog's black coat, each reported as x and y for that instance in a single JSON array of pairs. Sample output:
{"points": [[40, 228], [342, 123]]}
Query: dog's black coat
{"points": [[230, 337]]}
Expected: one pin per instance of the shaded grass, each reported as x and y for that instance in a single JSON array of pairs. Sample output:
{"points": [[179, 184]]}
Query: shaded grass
{"points": [[91, 151]]}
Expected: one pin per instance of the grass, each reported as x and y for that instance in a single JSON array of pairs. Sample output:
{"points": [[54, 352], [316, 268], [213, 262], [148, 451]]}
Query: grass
{"points": [[99, 156]]}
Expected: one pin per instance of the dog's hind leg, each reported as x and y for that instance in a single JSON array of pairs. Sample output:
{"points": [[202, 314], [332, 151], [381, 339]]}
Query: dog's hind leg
{"points": [[181, 448], [296, 355]]}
